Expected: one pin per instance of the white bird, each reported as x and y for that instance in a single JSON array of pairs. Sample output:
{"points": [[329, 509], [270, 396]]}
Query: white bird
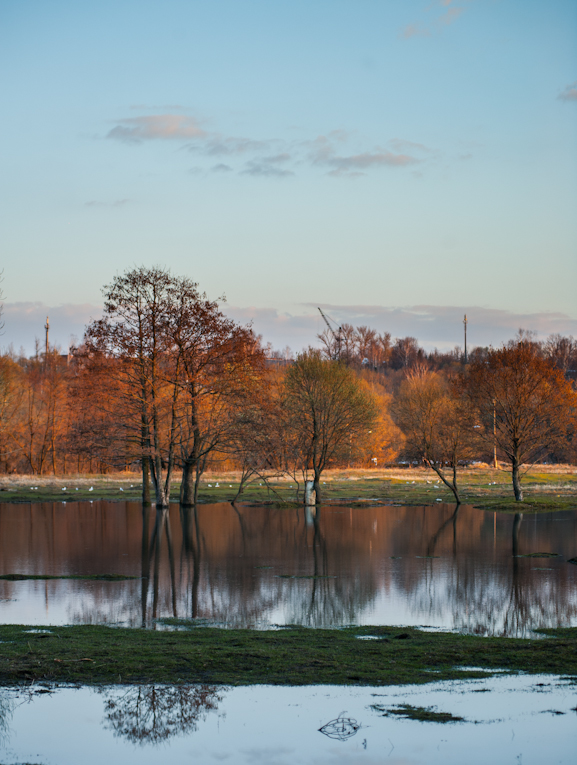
{"points": [[64, 488], [91, 488], [121, 489]]}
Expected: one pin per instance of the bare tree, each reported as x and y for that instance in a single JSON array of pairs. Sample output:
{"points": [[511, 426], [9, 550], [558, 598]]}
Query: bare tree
{"points": [[405, 353], [562, 351]]}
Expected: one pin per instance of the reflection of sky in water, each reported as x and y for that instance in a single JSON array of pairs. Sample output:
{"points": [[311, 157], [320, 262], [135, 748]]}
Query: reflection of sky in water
{"points": [[508, 719], [254, 566]]}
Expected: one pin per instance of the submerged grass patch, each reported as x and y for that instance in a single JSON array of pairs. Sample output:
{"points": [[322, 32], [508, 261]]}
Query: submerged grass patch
{"points": [[422, 714], [292, 656], [539, 555]]}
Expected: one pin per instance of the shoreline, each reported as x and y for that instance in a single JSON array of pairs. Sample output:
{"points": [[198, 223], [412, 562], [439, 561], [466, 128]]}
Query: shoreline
{"points": [[547, 488]]}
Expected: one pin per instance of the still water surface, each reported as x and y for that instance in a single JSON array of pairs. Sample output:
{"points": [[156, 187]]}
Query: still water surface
{"points": [[257, 565], [513, 720]]}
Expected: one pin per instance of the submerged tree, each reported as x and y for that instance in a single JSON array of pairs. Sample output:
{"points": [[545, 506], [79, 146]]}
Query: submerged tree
{"points": [[523, 404], [215, 363], [131, 333], [327, 409], [178, 363]]}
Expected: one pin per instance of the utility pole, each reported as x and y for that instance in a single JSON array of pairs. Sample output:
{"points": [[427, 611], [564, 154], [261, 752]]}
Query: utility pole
{"points": [[495, 463], [465, 325], [46, 327]]}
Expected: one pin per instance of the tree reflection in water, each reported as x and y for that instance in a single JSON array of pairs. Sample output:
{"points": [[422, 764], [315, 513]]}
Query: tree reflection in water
{"points": [[151, 714], [500, 600], [254, 565], [6, 712], [331, 598], [151, 556]]}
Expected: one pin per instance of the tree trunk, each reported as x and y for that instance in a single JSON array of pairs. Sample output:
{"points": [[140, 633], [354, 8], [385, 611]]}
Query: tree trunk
{"points": [[188, 487], [146, 481], [516, 527], [452, 485], [517, 482], [317, 487]]}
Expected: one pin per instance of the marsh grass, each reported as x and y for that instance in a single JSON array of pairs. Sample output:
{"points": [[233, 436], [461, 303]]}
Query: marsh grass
{"points": [[546, 488], [291, 656], [422, 714]]}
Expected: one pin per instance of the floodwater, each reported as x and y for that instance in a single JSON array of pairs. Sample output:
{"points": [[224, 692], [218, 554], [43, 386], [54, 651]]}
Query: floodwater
{"points": [[255, 566], [519, 720]]}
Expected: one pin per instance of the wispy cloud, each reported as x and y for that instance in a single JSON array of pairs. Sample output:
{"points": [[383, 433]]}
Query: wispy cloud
{"points": [[401, 144], [570, 92], [339, 152], [264, 168], [24, 322], [445, 13], [441, 326], [434, 326], [156, 127], [324, 153], [231, 146]]}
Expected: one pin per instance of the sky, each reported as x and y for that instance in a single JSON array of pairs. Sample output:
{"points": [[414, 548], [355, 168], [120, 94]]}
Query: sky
{"points": [[398, 163]]}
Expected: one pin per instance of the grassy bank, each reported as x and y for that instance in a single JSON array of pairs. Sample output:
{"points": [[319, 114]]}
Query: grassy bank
{"points": [[547, 488], [294, 656]]}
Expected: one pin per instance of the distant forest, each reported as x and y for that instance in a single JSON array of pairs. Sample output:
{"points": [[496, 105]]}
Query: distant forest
{"points": [[165, 382]]}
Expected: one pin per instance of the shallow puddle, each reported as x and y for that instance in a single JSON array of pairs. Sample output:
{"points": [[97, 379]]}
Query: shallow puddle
{"points": [[508, 719], [256, 566]]}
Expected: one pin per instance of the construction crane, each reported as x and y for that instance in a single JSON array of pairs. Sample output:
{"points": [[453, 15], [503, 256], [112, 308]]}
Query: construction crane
{"points": [[337, 336]]}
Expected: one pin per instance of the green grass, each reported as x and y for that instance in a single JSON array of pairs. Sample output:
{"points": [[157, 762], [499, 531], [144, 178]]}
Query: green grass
{"points": [[546, 488], [293, 656]]}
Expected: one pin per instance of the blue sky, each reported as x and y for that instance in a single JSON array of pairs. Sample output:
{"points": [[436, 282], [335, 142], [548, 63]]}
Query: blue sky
{"points": [[396, 162]]}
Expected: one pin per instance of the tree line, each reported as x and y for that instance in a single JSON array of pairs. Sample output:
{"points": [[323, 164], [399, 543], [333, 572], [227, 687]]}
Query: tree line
{"points": [[167, 384]]}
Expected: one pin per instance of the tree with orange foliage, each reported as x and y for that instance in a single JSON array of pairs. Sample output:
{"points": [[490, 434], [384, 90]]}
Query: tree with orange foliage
{"points": [[43, 412], [522, 402], [178, 365], [214, 363], [12, 383], [434, 422], [131, 338]]}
